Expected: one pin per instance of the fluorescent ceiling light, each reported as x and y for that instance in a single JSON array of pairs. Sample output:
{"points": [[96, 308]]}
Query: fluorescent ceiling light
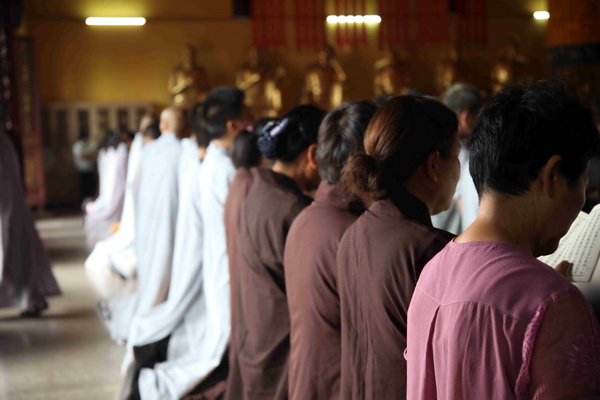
{"points": [[116, 21], [372, 19], [541, 15], [354, 19]]}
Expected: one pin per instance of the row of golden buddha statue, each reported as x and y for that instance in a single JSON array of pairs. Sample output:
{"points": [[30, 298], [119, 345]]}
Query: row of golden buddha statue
{"points": [[325, 82]]}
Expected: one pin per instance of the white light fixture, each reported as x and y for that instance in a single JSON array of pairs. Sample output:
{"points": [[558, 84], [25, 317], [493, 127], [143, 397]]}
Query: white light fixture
{"points": [[353, 19], [115, 21], [541, 15]]}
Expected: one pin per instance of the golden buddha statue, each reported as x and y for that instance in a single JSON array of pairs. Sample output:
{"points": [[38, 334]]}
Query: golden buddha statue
{"points": [[510, 67], [324, 82], [392, 75], [261, 84], [188, 82], [452, 70]]}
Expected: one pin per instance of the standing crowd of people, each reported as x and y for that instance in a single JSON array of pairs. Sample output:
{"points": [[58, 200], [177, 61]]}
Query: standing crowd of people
{"points": [[315, 256]]}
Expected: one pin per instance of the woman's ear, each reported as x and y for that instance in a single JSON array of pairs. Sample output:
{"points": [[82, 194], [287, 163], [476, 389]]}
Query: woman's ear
{"points": [[432, 165], [549, 175], [311, 156]]}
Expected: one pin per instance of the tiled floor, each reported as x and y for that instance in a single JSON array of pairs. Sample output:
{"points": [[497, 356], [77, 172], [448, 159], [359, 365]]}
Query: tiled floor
{"points": [[66, 354]]}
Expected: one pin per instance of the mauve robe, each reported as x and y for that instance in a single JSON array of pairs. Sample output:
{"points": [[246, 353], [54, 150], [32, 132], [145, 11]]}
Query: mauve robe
{"points": [[262, 327], [25, 273], [313, 299], [489, 321], [379, 261]]}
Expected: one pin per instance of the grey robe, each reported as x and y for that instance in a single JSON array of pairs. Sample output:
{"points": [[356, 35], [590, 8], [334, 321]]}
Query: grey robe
{"points": [[25, 272]]}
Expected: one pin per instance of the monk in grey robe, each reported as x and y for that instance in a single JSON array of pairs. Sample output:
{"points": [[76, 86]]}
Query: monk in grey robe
{"points": [[26, 279]]}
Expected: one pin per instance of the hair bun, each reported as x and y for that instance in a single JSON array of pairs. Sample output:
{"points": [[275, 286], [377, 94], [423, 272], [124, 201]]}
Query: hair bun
{"points": [[267, 142]]}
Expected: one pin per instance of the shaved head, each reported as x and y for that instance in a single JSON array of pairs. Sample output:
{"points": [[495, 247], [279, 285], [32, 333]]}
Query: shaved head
{"points": [[146, 120], [172, 119]]}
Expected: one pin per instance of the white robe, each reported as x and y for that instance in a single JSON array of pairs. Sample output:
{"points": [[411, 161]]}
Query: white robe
{"points": [[107, 208], [197, 347], [25, 272], [117, 251], [156, 216]]}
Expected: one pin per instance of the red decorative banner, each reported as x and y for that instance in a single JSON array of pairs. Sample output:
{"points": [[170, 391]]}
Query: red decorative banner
{"points": [[471, 22], [268, 24], [309, 23], [394, 27], [433, 21]]}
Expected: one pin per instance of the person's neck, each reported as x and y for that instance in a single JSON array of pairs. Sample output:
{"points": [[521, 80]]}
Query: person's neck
{"points": [[505, 219], [224, 142], [292, 172], [416, 187]]}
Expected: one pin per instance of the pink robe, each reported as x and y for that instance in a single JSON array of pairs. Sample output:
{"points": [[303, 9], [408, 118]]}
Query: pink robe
{"points": [[489, 321]]}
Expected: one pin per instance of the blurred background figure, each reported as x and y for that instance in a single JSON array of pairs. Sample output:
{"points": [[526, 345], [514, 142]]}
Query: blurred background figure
{"points": [[465, 101], [26, 279], [106, 209], [85, 152]]}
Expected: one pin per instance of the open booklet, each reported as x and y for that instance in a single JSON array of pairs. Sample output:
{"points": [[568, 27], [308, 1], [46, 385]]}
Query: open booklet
{"points": [[580, 246]]}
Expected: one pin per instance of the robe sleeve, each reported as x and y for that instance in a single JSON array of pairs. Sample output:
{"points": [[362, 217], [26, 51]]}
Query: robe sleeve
{"points": [[565, 363]]}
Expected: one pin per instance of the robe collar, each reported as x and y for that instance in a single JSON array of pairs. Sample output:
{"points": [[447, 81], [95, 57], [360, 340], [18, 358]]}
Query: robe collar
{"points": [[333, 195], [405, 205], [277, 179]]}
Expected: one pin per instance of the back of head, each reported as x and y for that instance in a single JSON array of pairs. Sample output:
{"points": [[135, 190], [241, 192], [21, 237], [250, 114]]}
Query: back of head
{"points": [[285, 140], [147, 120], [399, 138], [521, 128], [152, 131], [341, 134], [460, 97], [222, 104], [173, 119], [244, 152]]}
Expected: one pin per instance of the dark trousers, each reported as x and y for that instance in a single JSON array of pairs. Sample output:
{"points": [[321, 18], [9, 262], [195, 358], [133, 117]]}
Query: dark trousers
{"points": [[87, 185], [145, 357]]}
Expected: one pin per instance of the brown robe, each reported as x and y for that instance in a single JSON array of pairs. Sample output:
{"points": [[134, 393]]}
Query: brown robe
{"points": [[262, 326], [313, 300], [379, 261], [238, 191]]}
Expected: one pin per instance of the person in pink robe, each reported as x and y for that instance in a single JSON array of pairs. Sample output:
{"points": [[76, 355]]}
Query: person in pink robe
{"points": [[488, 320]]}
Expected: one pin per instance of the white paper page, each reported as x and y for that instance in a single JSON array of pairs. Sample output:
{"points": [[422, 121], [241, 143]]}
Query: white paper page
{"points": [[566, 242], [581, 246]]}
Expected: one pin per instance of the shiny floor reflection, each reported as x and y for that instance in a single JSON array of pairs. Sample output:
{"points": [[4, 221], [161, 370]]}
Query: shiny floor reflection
{"points": [[65, 354]]}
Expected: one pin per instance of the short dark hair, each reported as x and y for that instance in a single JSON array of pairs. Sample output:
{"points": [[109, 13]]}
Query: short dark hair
{"points": [[222, 104], [286, 139], [341, 134], [153, 130], [400, 136], [521, 128], [244, 152]]}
